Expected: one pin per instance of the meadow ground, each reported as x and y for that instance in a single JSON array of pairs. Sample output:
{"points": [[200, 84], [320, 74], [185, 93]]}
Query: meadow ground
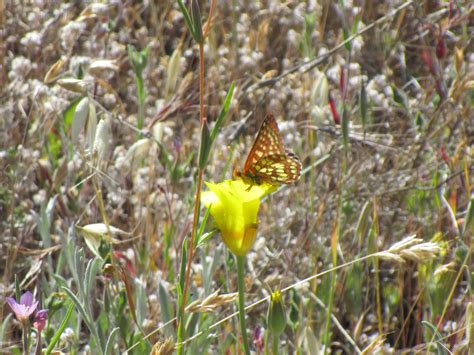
{"points": [[115, 117]]}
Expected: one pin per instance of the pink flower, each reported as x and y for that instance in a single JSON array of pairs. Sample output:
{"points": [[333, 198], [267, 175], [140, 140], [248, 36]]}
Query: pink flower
{"points": [[40, 319], [25, 308]]}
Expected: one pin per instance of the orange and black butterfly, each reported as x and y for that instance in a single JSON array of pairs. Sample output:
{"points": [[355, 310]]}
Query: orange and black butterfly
{"points": [[268, 161]]}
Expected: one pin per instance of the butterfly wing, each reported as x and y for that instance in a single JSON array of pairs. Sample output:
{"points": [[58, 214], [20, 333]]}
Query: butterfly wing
{"points": [[267, 143], [278, 168]]}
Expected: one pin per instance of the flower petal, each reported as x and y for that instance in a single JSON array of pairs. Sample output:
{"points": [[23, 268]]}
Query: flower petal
{"points": [[13, 304], [27, 298], [234, 206], [32, 309], [240, 242]]}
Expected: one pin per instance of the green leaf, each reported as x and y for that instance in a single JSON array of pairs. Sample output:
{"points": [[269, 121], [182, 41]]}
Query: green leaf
{"points": [[196, 15], [54, 148], [223, 113], [356, 23], [110, 341], [102, 326], [363, 223], [469, 215], [345, 31], [400, 97], [68, 114], [166, 308], [419, 121], [182, 270], [80, 307], [295, 306], [205, 146], [345, 35], [200, 232], [163, 155], [5, 328], [441, 348], [17, 289], [91, 272], [391, 295], [306, 43], [138, 59], [187, 18], [354, 291], [209, 266], [180, 314], [205, 237]]}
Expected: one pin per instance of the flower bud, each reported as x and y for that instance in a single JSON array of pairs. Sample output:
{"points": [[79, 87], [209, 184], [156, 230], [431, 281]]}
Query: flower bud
{"points": [[40, 319], [276, 317]]}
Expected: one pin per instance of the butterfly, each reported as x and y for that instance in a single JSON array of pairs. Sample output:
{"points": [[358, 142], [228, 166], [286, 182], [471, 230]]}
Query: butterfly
{"points": [[268, 161]]}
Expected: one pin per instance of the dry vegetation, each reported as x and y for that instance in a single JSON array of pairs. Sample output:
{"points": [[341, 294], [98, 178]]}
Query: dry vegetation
{"points": [[97, 182]]}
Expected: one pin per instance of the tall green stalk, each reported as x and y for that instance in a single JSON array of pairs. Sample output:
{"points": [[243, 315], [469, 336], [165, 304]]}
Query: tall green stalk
{"points": [[241, 285]]}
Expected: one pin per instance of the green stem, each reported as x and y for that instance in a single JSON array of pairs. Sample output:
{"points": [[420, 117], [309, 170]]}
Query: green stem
{"points": [[327, 335], [275, 344], [241, 285], [26, 330], [38, 344], [267, 345]]}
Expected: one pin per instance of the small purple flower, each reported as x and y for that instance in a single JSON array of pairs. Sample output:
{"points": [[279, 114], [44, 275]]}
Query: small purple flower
{"points": [[40, 319], [25, 308]]}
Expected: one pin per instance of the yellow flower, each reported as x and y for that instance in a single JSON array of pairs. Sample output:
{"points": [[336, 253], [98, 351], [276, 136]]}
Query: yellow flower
{"points": [[235, 207]]}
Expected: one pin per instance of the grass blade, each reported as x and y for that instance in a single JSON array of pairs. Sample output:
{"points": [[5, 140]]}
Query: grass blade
{"points": [[110, 341], [60, 330]]}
